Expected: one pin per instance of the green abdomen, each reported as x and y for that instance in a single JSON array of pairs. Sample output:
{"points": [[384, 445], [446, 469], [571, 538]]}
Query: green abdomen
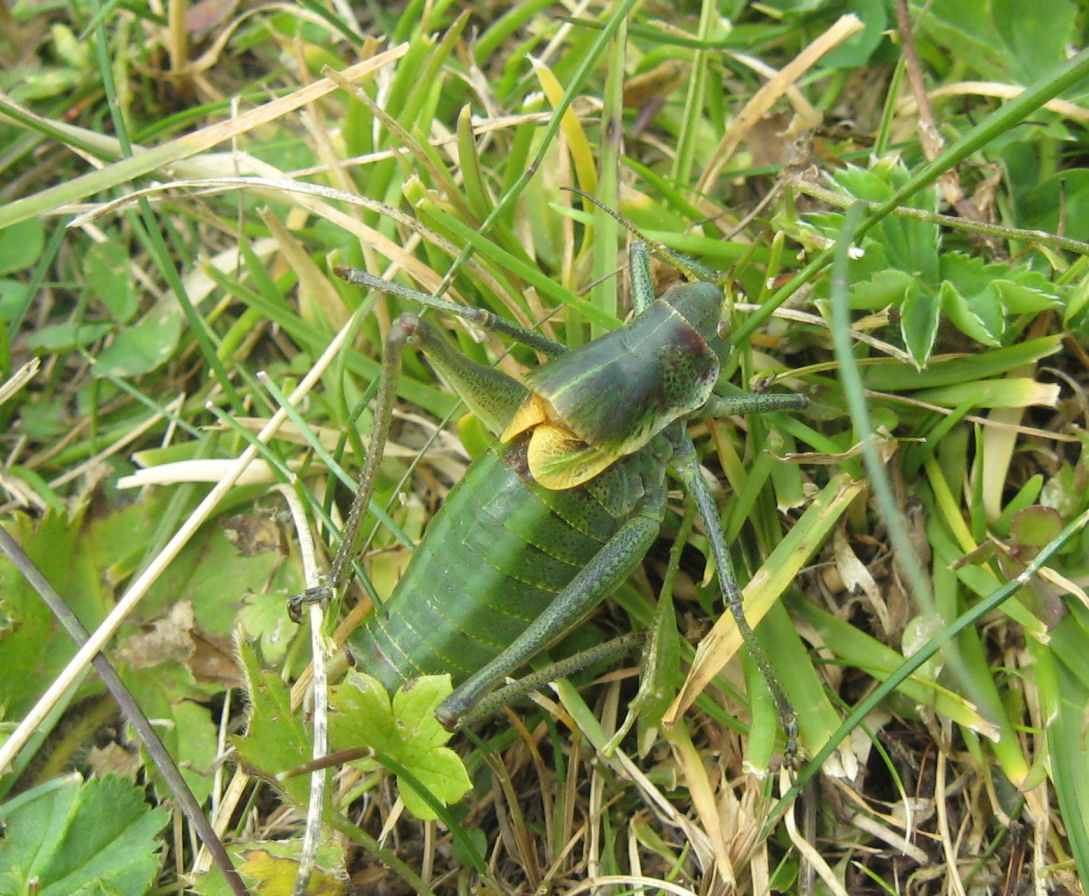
{"points": [[496, 554]]}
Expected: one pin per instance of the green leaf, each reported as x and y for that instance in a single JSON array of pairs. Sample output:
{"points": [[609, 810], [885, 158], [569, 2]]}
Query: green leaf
{"points": [[967, 25], [1019, 289], [443, 773], [478, 839], [862, 183], [263, 620], [45, 82], [919, 317], [987, 309], [913, 246], [33, 647], [60, 338], [1021, 298], [20, 245], [857, 49], [275, 740], [969, 274], [141, 348], [405, 731], [13, 298], [106, 269], [1062, 196], [269, 868], [81, 838], [1066, 741], [118, 541], [188, 730], [1035, 526], [1065, 490], [909, 244], [884, 288], [221, 577], [70, 48], [1036, 43], [1076, 312], [966, 315]]}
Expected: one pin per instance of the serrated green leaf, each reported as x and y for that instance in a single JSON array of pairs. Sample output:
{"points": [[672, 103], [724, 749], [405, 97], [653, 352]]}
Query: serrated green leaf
{"points": [[884, 288], [910, 245], [262, 618], [1020, 298], [362, 715], [1016, 290], [988, 309], [29, 847], [403, 730], [97, 836], [111, 840], [275, 740], [919, 317], [964, 316], [967, 273], [863, 183], [193, 742], [872, 261]]}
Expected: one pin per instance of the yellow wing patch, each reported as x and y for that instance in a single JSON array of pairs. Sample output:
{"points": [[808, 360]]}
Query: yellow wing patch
{"points": [[558, 460], [533, 412]]}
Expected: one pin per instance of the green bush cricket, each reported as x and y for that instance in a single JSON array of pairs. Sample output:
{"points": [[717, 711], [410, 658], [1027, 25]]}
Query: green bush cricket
{"points": [[565, 505]]}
